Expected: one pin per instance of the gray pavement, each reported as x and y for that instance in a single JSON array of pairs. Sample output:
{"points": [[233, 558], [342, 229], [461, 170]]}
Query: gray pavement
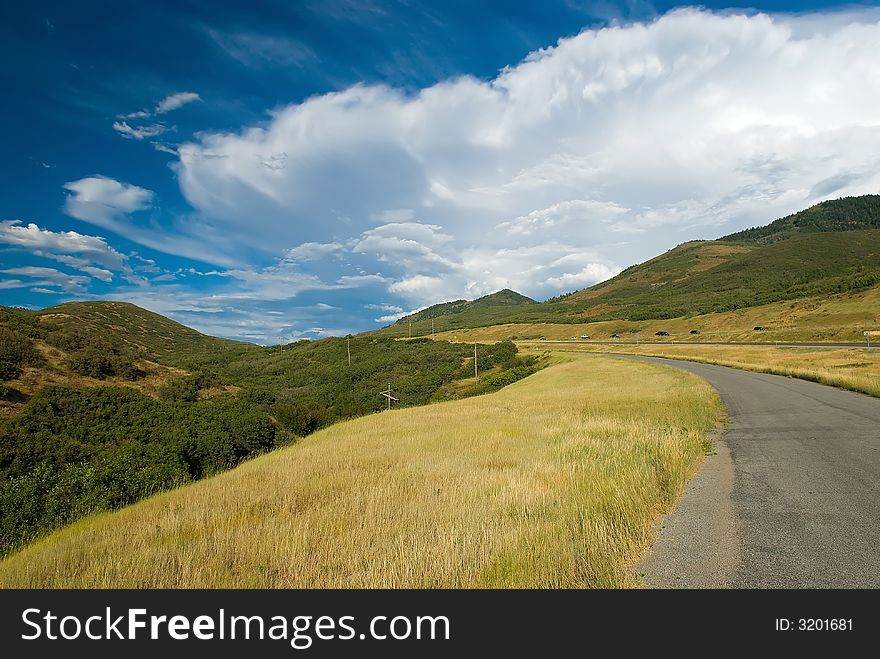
{"points": [[790, 500]]}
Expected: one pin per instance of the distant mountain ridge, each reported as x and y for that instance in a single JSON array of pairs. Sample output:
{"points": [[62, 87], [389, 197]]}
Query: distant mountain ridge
{"points": [[503, 298]]}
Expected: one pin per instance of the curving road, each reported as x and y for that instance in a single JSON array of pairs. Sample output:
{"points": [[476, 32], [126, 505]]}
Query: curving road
{"points": [[790, 500]]}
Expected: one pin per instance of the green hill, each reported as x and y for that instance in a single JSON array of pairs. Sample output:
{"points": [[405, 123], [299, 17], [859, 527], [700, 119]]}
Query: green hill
{"points": [[126, 324], [833, 247], [846, 214], [487, 307]]}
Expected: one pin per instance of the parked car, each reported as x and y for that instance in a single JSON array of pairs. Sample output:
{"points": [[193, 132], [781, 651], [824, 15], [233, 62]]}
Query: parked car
{"points": [[695, 331], [760, 328], [615, 336], [586, 336], [661, 333]]}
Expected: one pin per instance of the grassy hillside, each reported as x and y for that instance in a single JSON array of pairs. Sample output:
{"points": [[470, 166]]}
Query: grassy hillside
{"points": [[92, 423], [699, 278], [89, 344], [835, 318], [552, 482], [129, 325], [831, 248]]}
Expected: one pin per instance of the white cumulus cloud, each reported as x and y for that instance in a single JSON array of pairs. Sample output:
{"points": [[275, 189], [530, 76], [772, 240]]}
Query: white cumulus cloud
{"points": [[77, 248], [100, 199], [614, 144]]}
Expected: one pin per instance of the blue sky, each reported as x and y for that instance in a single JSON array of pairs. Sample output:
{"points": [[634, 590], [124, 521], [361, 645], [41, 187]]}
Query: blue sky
{"points": [[314, 168]]}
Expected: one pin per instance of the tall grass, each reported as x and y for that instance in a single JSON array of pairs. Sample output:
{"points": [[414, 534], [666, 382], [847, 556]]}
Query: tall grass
{"points": [[855, 369], [552, 482]]}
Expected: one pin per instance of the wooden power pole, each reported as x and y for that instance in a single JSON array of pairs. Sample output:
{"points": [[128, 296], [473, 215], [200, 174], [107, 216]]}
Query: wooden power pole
{"points": [[388, 395], [475, 359]]}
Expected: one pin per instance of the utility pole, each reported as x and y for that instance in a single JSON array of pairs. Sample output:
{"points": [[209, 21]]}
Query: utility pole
{"points": [[432, 329], [475, 359], [388, 395], [348, 346], [410, 328]]}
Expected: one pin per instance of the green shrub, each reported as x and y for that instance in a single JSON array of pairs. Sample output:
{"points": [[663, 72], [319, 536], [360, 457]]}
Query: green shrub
{"points": [[16, 351], [102, 360], [9, 370], [179, 389]]}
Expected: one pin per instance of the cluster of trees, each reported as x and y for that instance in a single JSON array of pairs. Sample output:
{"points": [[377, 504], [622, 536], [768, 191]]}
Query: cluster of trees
{"points": [[72, 452], [186, 389], [96, 356]]}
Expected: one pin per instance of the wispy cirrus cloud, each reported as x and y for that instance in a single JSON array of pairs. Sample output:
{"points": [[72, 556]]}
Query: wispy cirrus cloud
{"points": [[43, 278], [128, 124], [261, 50], [138, 132], [175, 101]]}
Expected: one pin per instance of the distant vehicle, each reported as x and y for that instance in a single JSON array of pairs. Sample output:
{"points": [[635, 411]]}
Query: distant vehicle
{"points": [[542, 339], [695, 331], [586, 336], [661, 333], [615, 336], [760, 328]]}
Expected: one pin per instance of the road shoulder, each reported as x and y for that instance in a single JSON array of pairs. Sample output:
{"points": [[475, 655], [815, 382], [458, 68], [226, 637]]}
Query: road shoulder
{"points": [[697, 545]]}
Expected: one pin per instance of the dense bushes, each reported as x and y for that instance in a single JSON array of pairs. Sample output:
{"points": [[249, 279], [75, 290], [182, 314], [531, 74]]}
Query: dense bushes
{"points": [[310, 385], [9, 370], [16, 351], [75, 451], [496, 381], [186, 389], [101, 360]]}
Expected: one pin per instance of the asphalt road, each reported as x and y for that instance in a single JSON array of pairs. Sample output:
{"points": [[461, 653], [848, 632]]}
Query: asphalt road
{"points": [[790, 500]]}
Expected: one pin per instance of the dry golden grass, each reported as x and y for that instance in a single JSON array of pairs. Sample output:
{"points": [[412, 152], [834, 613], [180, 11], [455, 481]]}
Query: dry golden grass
{"points": [[836, 318], [856, 369], [554, 481]]}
